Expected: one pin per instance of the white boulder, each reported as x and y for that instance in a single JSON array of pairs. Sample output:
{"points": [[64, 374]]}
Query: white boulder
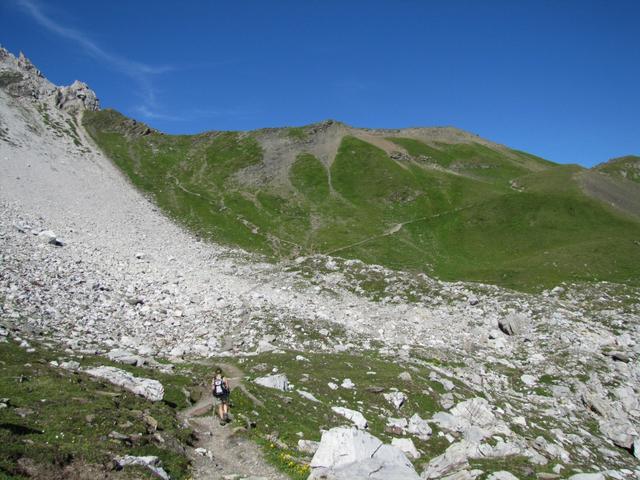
{"points": [[397, 425], [502, 475], [151, 462], [619, 431], [452, 460], [348, 384], [407, 446], [145, 387], [476, 411], [308, 396], [419, 428], [124, 356], [587, 476], [514, 324], [396, 399], [278, 382], [528, 380], [351, 454], [356, 417]]}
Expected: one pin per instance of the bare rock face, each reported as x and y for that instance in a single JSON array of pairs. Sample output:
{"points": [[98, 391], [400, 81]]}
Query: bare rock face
{"points": [[21, 79], [77, 96], [349, 453]]}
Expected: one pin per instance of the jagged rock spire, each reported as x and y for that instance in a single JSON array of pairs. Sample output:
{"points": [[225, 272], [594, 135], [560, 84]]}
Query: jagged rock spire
{"points": [[22, 79]]}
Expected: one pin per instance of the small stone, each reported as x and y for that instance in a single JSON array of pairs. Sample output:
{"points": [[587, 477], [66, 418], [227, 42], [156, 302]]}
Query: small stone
{"points": [[118, 436], [356, 417], [152, 423], [308, 446], [348, 384], [419, 428], [308, 396], [397, 426], [397, 399], [374, 389], [513, 324]]}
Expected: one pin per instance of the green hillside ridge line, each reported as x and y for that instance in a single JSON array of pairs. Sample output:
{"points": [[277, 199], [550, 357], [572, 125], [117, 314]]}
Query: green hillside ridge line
{"points": [[471, 211], [627, 167]]}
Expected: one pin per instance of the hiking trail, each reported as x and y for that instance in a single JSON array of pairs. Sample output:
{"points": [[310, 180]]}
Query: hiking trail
{"points": [[229, 454]]}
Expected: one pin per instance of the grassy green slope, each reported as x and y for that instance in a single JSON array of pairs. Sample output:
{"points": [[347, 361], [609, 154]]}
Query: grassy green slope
{"points": [[488, 215], [58, 422], [474, 159]]}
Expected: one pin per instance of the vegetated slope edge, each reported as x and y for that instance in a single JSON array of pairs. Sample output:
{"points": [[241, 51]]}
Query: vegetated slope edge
{"points": [[460, 211]]}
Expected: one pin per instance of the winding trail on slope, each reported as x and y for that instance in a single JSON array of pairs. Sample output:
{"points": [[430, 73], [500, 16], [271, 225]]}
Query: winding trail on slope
{"points": [[230, 453], [397, 227]]}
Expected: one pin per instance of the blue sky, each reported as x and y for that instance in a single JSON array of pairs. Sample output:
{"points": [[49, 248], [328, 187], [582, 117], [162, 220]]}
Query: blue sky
{"points": [[560, 79]]}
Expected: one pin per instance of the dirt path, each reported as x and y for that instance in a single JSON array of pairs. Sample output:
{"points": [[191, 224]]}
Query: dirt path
{"points": [[396, 228], [228, 455]]}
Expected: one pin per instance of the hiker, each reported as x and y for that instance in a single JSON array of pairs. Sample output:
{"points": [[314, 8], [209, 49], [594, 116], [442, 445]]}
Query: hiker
{"points": [[220, 390]]}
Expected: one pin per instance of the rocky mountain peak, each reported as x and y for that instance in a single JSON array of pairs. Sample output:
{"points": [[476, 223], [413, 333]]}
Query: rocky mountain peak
{"points": [[77, 96], [25, 64], [21, 79]]}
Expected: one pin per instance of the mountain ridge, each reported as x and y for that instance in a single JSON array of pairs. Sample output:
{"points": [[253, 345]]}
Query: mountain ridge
{"points": [[452, 200], [317, 172]]}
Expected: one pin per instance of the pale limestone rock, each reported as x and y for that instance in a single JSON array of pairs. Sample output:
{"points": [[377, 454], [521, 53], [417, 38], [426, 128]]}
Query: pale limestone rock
{"points": [[356, 417], [407, 446], [351, 454], [145, 387], [278, 382]]}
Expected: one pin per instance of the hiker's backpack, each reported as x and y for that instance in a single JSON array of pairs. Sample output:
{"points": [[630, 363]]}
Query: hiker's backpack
{"points": [[219, 388]]}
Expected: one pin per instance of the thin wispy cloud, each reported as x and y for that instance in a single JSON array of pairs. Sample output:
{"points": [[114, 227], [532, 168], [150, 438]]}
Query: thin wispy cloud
{"points": [[223, 112], [140, 72], [144, 111]]}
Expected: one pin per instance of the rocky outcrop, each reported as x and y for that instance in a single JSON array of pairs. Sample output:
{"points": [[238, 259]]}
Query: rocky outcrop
{"points": [[456, 456], [20, 78], [150, 462], [279, 382], [145, 387], [77, 96], [513, 324], [351, 454]]}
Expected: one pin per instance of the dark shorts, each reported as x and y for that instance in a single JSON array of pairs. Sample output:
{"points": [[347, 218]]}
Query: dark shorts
{"points": [[224, 400]]}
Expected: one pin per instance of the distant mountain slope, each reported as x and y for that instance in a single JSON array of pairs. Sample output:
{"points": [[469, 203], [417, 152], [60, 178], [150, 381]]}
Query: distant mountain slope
{"points": [[436, 200], [624, 195], [627, 167]]}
